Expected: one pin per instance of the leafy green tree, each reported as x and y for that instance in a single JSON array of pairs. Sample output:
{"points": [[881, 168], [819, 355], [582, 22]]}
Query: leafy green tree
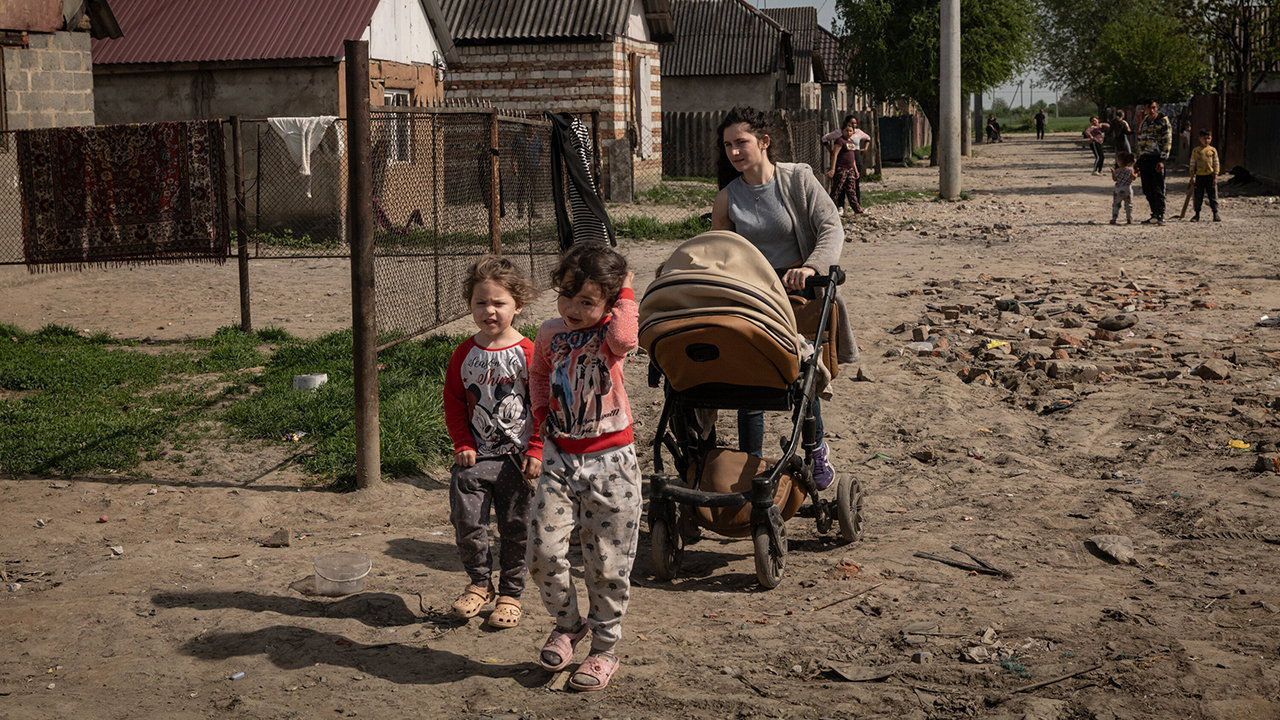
{"points": [[1114, 53], [894, 47], [1150, 56]]}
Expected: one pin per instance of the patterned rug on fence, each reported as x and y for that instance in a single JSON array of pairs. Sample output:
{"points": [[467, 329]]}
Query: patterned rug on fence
{"points": [[123, 194]]}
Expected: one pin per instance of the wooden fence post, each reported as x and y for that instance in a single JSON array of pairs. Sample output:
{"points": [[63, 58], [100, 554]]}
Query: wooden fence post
{"points": [[363, 302], [242, 239], [495, 187]]}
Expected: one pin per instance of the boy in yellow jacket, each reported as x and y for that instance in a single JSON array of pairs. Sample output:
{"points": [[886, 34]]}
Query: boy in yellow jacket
{"points": [[1204, 168]]}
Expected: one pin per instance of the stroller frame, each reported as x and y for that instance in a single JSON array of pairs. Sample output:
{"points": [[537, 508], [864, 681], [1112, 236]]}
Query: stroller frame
{"points": [[672, 500]]}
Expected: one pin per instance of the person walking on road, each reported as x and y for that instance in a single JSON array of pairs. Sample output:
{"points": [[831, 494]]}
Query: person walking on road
{"points": [[1155, 140], [1040, 118], [1120, 133], [1096, 134], [860, 141]]}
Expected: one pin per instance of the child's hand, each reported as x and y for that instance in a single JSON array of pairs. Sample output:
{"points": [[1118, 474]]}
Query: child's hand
{"points": [[532, 468], [465, 458], [626, 282]]}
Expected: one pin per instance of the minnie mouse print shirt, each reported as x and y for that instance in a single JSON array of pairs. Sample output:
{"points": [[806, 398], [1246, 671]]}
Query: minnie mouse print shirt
{"points": [[486, 399]]}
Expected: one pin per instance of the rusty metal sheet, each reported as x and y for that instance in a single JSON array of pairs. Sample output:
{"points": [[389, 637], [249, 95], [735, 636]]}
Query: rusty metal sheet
{"points": [[31, 15]]}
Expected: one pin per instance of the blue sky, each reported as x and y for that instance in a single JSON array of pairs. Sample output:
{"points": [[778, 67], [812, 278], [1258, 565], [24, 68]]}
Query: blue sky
{"points": [[826, 16]]}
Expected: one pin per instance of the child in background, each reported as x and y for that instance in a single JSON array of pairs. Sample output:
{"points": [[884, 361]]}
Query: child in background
{"points": [[590, 477], [1123, 174], [1205, 169], [844, 170], [495, 442]]}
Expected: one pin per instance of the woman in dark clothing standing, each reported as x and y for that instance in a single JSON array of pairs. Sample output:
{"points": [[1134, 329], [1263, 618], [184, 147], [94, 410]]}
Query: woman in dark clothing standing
{"points": [[1120, 134]]}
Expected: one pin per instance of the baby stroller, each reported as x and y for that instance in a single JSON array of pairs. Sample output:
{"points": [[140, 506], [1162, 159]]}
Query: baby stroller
{"points": [[722, 334]]}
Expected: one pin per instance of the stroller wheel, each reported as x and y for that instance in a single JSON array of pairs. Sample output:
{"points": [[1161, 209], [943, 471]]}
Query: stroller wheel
{"points": [[849, 508], [667, 549], [770, 560]]}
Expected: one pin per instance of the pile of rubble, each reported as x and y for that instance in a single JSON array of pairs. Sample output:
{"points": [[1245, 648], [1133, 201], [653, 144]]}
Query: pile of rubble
{"points": [[1047, 342]]}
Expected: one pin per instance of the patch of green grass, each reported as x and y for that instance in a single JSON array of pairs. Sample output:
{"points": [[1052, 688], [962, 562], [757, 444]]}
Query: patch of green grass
{"points": [[273, 334], [645, 227], [680, 194], [922, 152], [872, 177], [411, 414], [287, 238], [75, 404], [873, 198], [705, 179], [1025, 123]]}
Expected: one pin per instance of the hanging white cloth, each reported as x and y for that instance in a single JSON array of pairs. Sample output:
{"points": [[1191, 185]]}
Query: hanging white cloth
{"points": [[301, 136]]}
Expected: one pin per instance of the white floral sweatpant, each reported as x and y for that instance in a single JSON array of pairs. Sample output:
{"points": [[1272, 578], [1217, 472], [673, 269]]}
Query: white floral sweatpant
{"points": [[599, 493]]}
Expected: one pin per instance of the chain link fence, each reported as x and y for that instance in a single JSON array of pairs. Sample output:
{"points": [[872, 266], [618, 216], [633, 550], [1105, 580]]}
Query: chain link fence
{"points": [[673, 180], [10, 202]]}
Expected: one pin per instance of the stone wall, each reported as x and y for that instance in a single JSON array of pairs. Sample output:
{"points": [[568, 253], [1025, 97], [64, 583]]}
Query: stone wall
{"points": [[50, 82], [566, 77]]}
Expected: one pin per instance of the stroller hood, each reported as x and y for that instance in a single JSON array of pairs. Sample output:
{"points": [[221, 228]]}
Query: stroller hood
{"points": [[717, 313]]}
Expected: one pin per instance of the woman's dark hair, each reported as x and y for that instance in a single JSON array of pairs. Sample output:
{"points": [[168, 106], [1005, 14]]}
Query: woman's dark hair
{"points": [[590, 262], [1125, 158], [847, 118], [757, 122]]}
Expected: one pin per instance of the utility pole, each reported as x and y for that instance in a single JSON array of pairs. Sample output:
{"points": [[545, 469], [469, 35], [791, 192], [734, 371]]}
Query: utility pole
{"points": [[948, 137]]}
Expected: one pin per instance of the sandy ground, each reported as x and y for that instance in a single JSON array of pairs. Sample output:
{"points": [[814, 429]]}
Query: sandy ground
{"points": [[1016, 466]]}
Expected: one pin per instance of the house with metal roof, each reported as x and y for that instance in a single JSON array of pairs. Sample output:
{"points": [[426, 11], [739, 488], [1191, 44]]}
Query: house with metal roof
{"points": [[566, 55], [45, 74], [262, 58], [804, 89], [725, 53]]}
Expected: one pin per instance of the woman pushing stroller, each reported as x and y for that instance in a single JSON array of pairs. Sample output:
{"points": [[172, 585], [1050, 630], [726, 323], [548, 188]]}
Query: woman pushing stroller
{"points": [[783, 210]]}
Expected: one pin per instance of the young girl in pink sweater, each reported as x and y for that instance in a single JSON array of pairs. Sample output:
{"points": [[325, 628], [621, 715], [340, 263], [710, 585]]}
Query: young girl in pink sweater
{"points": [[590, 479]]}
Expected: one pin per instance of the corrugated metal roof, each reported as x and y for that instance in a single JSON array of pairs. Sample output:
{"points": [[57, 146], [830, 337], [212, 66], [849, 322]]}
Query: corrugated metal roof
{"points": [[166, 31], [830, 58], [482, 22], [723, 37], [802, 23]]}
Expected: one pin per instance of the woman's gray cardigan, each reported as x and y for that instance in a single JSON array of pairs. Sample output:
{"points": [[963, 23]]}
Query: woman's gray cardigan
{"points": [[820, 234]]}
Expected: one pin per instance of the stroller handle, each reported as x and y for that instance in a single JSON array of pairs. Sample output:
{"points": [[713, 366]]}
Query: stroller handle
{"points": [[834, 275]]}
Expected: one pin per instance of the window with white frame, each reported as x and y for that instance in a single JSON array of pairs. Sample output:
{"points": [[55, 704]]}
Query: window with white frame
{"points": [[401, 149]]}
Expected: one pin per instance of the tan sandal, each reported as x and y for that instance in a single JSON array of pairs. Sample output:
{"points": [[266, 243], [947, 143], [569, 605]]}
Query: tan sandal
{"points": [[506, 613], [472, 601]]}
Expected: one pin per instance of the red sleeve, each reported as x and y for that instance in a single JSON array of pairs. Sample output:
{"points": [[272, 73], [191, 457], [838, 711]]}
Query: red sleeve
{"points": [[534, 448], [539, 387], [623, 333], [455, 401]]}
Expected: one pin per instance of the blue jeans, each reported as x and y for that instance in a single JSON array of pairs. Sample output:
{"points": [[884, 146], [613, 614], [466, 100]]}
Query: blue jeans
{"points": [[751, 429]]}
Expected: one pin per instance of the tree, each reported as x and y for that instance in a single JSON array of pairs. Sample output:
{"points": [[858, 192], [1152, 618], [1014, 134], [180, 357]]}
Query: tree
{"points": [[1148, 52], [1120, 53], [894, 49]]}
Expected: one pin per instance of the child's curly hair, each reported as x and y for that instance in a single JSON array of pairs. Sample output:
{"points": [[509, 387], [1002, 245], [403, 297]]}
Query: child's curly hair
{"points": [[503, 272], [590, 262]]}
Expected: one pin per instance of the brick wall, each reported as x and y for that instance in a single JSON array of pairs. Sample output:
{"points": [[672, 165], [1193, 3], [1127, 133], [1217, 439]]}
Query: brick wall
{"points": [[49, 83], [565, 76]]}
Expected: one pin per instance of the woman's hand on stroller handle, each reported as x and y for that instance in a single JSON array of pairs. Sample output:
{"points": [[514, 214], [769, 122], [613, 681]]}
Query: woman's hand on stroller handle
{"points": [[798, 278], [813, 280]]}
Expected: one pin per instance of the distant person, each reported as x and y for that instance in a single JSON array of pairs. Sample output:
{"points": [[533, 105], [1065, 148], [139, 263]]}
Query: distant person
{"points": [[1122, 194], [1096, 134], [1155, 140], [1205, 169], [1120, 133], [862, 141], [1040, 118], [993, 129], [843, 170]]}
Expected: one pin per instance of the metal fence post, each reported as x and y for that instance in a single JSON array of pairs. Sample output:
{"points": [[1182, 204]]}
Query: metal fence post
{"points": [[495, 186], [363, 308], [242, 238]]}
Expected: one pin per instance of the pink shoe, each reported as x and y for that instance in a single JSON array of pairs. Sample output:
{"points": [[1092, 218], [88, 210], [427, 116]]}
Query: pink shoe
{"points": [[557, 651], [595, 672]]}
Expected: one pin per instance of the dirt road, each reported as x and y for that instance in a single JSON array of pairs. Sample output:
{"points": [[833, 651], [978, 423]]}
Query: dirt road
{"points": [[1062, 432]]}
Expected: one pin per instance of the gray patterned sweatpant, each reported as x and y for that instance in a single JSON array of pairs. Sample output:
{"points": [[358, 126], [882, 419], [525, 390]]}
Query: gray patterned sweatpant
{"points": [[600, 494], [497, 484]]}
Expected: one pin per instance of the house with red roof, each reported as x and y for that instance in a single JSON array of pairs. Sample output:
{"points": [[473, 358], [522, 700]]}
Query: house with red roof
{"points": [[192, 59]]}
